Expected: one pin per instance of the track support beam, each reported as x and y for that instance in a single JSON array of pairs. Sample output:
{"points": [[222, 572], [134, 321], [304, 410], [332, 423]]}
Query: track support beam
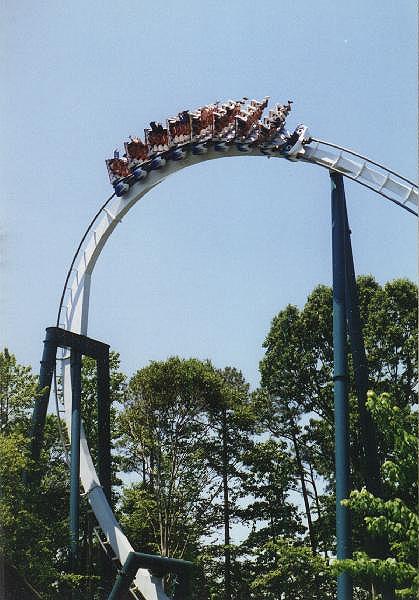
{"points": [[158, 566], [41, 403], [369, 435], [104, 423], [340, 378], [376, 547], [79, 345], [74, 523]]}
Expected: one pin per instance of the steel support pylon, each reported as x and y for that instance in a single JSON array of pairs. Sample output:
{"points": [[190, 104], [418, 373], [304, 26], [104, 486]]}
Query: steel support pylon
{"points": [[340, 378], [74, 512], [159, 566], [377, 547], [79, 345]]}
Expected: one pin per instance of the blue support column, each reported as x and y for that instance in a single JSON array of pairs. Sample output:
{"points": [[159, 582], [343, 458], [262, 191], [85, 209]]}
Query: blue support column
{"points": [[104, 459], [343, 537], [104, 424], [159, 566], [125, 577], [372, 474], [79, 345], [41, 403], [75, 458], [376, 547]]}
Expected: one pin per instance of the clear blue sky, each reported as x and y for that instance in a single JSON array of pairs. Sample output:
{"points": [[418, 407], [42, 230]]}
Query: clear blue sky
{"points": [[200, 267]]}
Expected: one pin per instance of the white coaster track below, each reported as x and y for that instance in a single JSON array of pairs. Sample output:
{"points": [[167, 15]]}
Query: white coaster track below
{"points": [[74, 311], [368, 173]]}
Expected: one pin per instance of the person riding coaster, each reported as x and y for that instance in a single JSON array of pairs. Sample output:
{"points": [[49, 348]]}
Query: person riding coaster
{"points": [[220, 124]]}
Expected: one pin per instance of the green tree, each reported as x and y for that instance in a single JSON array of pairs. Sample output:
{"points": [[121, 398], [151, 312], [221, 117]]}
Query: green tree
{"points": [[184, 428], [33, 521], [288, 570], [17, 390], [232, 422], [268, 479], [296, 395], [297, 372], [34, 517], [396, 517], [164, 426]]}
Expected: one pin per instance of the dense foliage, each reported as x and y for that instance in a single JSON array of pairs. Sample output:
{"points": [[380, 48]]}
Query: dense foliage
{"points": [[239, 482], [395, 516]]}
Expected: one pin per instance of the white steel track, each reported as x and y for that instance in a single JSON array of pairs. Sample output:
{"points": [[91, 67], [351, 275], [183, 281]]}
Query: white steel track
{"points": [[74, 311], [369, 174]]}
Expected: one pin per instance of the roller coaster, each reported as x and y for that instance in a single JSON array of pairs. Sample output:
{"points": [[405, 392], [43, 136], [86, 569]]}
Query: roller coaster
{"points": [[218, 130]]}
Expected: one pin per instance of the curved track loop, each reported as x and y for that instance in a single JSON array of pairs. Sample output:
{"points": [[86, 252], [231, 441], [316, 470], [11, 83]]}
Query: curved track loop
{"points": [[74, 314]]}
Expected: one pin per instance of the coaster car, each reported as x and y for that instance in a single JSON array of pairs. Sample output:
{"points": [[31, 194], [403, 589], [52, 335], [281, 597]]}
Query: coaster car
{"points": [[296, 141], [157, 162], [121, 187], [221, 146], [139, 173], [199, 149], [177, 154]]}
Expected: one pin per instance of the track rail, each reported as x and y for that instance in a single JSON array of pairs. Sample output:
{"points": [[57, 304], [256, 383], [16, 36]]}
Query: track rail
{"points": [[370, 174], [74, 305]]}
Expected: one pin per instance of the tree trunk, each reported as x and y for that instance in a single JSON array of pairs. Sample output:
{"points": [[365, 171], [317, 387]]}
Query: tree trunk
{"points": [[226, 506], [151, 474], [316, 497], [144, 472], [304, 491]]}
